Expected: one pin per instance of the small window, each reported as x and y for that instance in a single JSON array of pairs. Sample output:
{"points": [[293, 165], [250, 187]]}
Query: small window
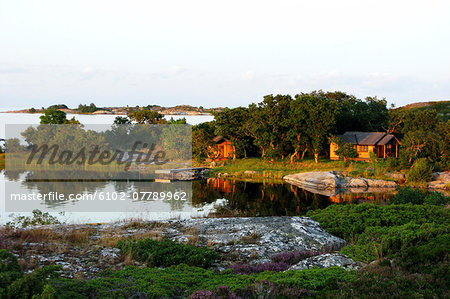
{"points": [[363, 148]]}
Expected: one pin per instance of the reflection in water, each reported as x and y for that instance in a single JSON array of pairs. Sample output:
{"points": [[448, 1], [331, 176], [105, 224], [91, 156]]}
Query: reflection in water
{"points": [[258, 199], [271, 198], [244, 198]]}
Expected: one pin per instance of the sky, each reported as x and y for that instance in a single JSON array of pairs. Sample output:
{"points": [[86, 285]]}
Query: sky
{"points": [[220, 53]]}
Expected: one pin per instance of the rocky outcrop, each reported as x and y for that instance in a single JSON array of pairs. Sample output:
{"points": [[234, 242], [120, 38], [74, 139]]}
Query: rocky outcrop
{"points": [[396, 176], [329, 180], [441, 180], [320, 180], [239, 240], [256, 239], [327, 260]]}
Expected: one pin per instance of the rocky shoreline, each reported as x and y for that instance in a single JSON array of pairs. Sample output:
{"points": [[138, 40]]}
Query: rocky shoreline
{"points": [[253, 240], [332, 182]]}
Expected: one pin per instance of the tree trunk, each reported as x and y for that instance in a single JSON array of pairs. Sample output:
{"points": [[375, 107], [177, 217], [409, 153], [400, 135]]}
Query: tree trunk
{"points": [[316, 157], [303, 153], [295, 154]]}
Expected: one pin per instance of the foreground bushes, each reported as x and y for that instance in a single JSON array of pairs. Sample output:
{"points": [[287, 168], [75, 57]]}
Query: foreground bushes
{"points": [[183, 280], [418, 197], [420, 172], [167, 253], [14, 284], [349, 221], [411, 239]]}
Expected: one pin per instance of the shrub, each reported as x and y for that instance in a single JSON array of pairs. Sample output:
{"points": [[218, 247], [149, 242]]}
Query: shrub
{"points": [[37, 218], [408, 195], [436, 198], [14, 284], [418, 197], [33, 283], [393, 164], [9, 270], [167, 253], [183, 280], [348, 221], [420, 172]]}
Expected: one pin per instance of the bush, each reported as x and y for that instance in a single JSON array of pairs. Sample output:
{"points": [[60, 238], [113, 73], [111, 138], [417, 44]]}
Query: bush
{"points": [[348, 221], [393, 164], [14, 284], [418, 197], [183, 280], [436, 198], [420, 172], [9, 271], [38, 218], [167, 253]]}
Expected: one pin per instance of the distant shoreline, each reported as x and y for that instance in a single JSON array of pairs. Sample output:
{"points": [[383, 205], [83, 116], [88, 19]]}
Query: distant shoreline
{"points": [[105, 112]]}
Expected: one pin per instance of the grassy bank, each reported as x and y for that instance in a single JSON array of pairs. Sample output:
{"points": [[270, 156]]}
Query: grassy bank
{"points": [[261, 168]]}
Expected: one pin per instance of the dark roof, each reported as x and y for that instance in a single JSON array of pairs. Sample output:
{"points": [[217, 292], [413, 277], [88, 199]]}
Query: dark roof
{"points": [[220, 139], [366, 138], [386, 139]]}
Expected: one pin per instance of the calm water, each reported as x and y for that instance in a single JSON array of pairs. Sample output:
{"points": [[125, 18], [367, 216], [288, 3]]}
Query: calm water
{"points": [[224, 196]]}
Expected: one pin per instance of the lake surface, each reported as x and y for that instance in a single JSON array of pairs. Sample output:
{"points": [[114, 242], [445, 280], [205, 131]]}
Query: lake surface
{"points": [[225, 197]]}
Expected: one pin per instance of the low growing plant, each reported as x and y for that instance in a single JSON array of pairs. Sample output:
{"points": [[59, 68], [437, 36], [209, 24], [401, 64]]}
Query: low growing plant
{"points": [[166, 253], [420, 172]]}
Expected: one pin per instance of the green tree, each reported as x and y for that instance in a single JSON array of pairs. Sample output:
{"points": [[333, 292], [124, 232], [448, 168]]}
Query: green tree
{"points": [[53, 116], [146, 116], [345, 151], [202, 140], [230, 123], [296, 124], [268, 126], [120, 120], [320, 119]]}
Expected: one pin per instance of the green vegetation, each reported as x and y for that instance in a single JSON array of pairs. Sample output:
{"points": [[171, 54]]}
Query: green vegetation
{"points": [[409, 240], [183, 280], [423, 136], [420, 172], [37, 218], [280, 168], [15, 284], [57, 117], [87, 109], [146, 116], [56, 107], [284, 126], [167, 253], [441, 107], [418, 197], [345, 151]]}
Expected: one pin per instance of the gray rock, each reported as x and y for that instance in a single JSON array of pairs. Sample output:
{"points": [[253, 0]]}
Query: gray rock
{"points": [[441, 180], [358, 183], [325, 180], [258, 238], [327, 260], [396, 175], [315, 179]]}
